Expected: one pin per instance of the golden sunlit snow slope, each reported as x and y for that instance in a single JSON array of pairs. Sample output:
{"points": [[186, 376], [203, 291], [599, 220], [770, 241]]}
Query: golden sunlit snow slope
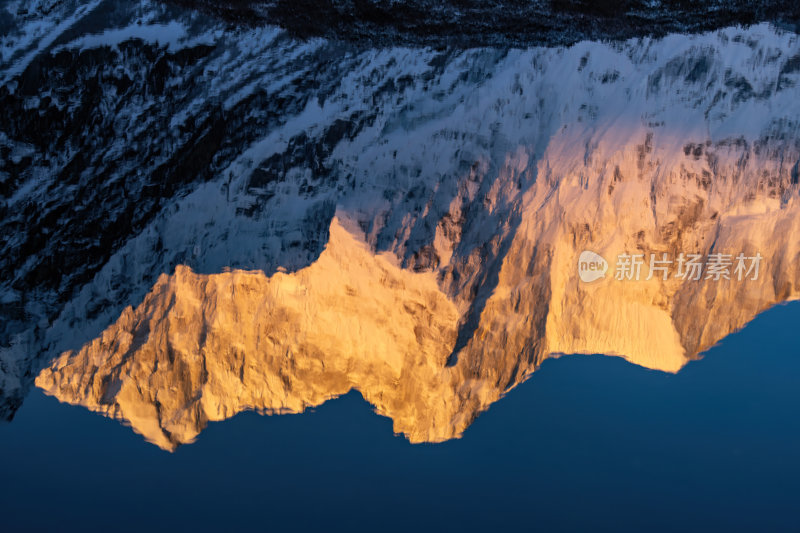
{"points": [[205, 347]]}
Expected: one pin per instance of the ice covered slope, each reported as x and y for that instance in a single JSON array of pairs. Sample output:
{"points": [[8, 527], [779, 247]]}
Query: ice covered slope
{"points": [[126, 155]]}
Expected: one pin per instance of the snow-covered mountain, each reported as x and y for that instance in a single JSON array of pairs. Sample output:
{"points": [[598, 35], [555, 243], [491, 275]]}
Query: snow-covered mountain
{"points": [[201, 218]]}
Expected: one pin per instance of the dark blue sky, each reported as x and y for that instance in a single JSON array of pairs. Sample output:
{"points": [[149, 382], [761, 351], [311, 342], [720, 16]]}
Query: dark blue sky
{"points": [[587, 442]]}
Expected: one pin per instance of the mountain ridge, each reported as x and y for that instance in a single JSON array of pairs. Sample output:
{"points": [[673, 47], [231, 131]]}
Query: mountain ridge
{"points": [[515, 23], [234, 148]]}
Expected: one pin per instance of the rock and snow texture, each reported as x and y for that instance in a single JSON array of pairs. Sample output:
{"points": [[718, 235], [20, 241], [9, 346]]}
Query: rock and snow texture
{"points": [[504, 23], [203, 348], [279, 221]]}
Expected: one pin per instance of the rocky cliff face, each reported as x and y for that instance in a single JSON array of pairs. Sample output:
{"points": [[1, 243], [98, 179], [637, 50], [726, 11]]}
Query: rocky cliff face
{"points": [[292, 219], [497, 23]]}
